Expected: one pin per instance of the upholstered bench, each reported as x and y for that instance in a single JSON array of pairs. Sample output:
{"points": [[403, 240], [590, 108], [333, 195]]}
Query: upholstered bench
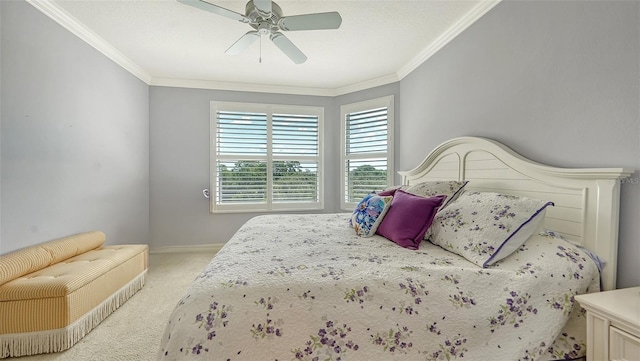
{"points": [[53, 294]]}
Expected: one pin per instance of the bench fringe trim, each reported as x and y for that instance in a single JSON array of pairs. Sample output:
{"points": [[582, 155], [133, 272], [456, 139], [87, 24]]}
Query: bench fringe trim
{"points": [[32, 343]]}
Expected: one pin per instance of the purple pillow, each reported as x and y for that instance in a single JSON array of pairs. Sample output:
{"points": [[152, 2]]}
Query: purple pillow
{"points": [[409, 217]]}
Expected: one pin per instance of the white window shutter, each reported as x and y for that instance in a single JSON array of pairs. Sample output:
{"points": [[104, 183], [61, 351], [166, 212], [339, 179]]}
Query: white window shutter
{"points": [[367, 148], [265, 157]]}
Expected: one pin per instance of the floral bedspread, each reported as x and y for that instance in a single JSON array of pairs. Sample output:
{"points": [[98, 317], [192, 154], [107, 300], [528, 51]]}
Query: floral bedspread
{"points": [[289, 287]]}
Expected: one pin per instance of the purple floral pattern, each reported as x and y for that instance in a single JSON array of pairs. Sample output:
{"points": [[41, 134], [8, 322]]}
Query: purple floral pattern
{"points": [[563, 303], [394, 341], [216, 315], [514, 311], [307, 287], [450, 349], [572, 348], [356, 296], [485, 227], [330, 343]]}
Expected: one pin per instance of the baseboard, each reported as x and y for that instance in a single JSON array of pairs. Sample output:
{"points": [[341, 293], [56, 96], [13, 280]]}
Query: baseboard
{"points": [[185, 249]]}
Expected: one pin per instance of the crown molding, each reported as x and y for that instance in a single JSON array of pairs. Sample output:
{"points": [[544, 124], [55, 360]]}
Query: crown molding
{"points": [[367, 84], [448, 36], [243, 87], [67, 21], [276, 89]]}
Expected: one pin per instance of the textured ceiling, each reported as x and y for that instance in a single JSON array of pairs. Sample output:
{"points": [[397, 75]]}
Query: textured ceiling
{"points": [[171, 43]]}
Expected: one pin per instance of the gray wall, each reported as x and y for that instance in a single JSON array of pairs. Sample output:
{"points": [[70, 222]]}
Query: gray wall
{"points": [[556, 81], [75, 137], [179, 165]]}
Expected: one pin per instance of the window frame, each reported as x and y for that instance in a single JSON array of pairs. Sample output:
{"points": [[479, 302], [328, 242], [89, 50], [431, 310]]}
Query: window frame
{"points": [[386, 101], [269, 158]]}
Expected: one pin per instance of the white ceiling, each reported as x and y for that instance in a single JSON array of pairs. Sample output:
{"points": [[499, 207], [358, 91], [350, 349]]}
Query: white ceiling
{"points": [[164, 42]]}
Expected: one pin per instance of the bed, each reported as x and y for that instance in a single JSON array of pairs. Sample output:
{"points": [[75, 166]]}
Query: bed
{"points": [[306, 286]]}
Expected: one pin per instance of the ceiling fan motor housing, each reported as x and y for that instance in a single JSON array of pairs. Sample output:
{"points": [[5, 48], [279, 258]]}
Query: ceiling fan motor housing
{"points": [[265, 24], [257, 16]]}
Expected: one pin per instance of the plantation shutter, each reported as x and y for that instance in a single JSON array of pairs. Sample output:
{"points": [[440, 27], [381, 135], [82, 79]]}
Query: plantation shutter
{"points": [[366, 152], [296, 156], [265, 158], [241, 147]]}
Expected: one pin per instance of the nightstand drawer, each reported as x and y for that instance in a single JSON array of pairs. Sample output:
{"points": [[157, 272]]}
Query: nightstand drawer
{"points": [[613, 324], [623, 346]]}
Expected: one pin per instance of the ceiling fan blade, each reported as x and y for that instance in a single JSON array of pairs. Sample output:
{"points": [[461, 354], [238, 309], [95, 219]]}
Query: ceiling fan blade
{"points": [[243, 43], [263, 7], [207, 6], [288, 48], [317, 21]]}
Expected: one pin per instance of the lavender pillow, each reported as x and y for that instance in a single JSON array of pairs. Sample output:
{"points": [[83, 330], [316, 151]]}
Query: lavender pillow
{"points": [[409, 218]]}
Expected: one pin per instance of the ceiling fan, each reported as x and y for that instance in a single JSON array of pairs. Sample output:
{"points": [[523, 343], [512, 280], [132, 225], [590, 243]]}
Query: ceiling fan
{"points": [[265, 17]]}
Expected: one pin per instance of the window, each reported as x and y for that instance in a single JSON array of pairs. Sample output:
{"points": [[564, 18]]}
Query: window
{"points": [[367, 148], [265, 157]]}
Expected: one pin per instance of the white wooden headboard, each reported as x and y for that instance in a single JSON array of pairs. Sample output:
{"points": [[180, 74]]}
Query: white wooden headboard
{"points": [[587, 200]]}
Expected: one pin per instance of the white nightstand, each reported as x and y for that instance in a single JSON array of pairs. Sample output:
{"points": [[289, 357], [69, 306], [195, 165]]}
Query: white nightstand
{"points": [[613, 324]]}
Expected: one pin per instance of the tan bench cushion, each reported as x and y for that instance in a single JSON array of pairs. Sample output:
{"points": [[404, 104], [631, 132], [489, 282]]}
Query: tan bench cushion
{"points": [[31, 259], [69, 275]]}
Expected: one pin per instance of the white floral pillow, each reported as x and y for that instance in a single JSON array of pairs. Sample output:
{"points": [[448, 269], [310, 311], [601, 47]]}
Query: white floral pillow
{"points": [[485, 227], [451, 189], [369, 213]]}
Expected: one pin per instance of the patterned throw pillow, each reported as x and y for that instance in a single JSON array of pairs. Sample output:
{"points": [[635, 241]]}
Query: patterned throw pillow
{"points": [[485, 227], [369, 214], [409, 218]]}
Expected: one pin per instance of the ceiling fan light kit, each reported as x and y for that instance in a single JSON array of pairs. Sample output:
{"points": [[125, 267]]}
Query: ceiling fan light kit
{"points": [[265, 17]]}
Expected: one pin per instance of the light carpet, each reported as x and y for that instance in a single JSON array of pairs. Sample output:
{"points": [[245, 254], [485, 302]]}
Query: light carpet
{"points": [[133, 331]]}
